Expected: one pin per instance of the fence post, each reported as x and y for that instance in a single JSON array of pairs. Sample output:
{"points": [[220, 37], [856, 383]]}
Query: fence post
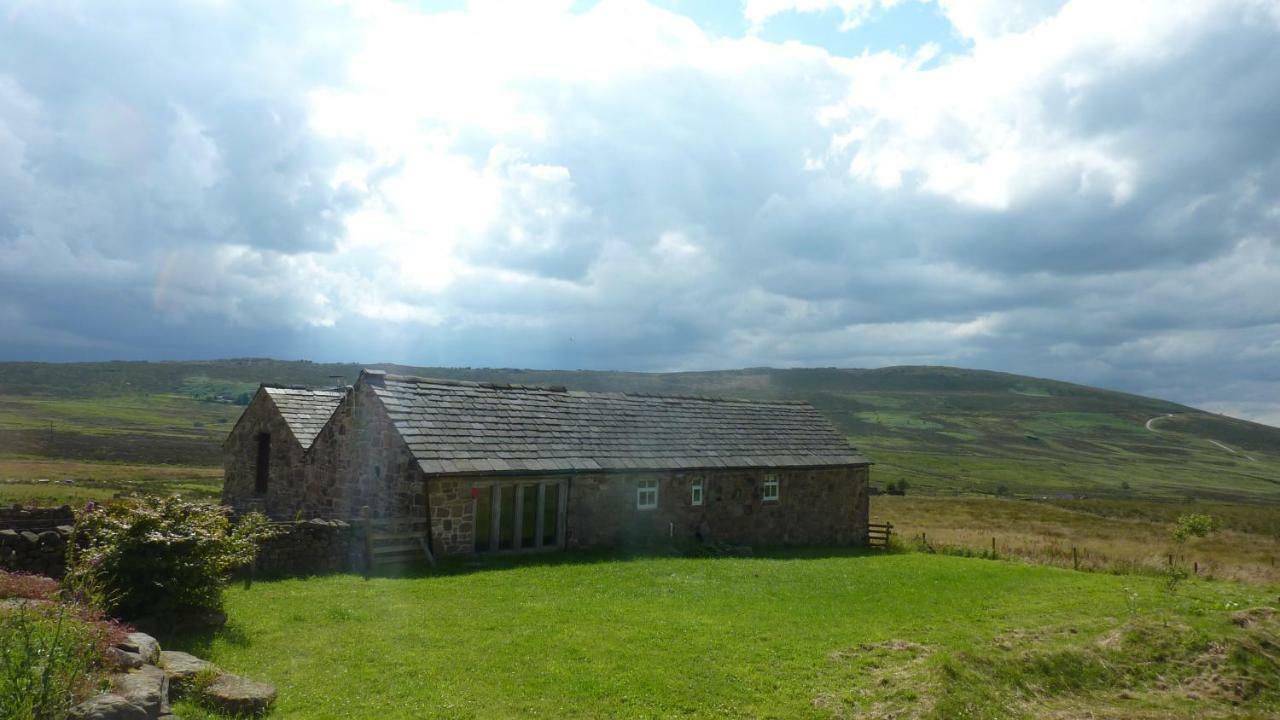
{"points": [[1195, 568], [1075, 558], [367, 521], [993, 546]]}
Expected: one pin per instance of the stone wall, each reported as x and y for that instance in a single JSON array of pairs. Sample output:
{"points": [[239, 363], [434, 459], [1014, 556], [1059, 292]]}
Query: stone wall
{"points": [[18, 517], [288, 467], [309, 547], [824, 506], [453, 514], [41, 552]]}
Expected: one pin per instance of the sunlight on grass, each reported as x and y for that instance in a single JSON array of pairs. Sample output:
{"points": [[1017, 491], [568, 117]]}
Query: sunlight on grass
{"points": [[655, 637]]}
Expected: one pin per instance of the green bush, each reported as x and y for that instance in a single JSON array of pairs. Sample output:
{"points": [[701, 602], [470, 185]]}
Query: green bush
{"points": [[48, 660], [159, 557], [1194, 525]]}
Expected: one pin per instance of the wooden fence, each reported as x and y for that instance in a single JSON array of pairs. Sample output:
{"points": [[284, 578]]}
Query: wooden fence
{"points": [[878, 534]]}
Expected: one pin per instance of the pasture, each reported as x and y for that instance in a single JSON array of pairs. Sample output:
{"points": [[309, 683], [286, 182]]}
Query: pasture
{"points": [[1119, 536], [808, 634]]}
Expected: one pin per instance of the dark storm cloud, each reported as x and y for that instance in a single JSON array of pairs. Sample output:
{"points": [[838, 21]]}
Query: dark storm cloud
{"points": [[1089, 193]]}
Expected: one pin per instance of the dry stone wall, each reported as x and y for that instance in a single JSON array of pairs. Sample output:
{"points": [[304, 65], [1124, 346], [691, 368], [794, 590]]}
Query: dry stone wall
{"points": [[309, 547], [34, 540]]}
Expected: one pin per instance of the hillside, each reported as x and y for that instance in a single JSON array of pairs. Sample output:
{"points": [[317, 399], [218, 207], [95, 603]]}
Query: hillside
{"points": [[940, 429]]}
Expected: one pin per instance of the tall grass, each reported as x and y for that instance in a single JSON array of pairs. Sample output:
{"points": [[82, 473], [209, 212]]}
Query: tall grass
{"points": [[1046, 534], [48, 658]]}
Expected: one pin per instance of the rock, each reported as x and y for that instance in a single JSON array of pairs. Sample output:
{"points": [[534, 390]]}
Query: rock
{"points": [[123, 659], [65, 530], [235, 695], [107, 707], [143, 644], [49, 538], [9, 537], [30, 537], [182, 669], [147, 688]]}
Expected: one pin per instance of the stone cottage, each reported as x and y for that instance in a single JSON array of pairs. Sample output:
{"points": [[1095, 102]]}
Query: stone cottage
{"points": [[509, 468], [265, 458]]}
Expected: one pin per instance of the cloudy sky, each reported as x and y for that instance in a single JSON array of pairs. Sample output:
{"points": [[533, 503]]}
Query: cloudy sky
{"points": [[1084, 190]]}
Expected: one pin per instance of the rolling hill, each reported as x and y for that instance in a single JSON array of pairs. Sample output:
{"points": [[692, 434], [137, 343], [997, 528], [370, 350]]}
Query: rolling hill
{"points": [[940, 429]]}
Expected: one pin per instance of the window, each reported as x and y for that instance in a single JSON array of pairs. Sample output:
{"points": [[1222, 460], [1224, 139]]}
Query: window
{"points": [[770, 488], [264, 464], [647, 494], [695, 492]]}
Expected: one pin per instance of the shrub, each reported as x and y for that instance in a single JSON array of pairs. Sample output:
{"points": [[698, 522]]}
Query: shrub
{"points": [[159, 557], [1194, 525], [48, 658]]}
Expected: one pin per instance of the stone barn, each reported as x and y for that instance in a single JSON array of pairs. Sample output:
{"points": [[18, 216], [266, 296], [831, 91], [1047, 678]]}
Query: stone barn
{"points": [[265, 457], [496, 468]]}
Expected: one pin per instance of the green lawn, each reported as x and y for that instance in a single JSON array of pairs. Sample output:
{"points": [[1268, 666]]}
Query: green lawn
{"points": [[777, 636]]}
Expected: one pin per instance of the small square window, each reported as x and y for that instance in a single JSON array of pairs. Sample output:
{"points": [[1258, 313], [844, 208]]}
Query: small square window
{"points": [[695, 493], [647, 494], [770, 488]]}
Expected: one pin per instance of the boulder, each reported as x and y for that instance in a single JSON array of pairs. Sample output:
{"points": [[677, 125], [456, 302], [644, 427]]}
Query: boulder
{"points": [[64, 530], [30, 537], [123, 659], [50, 538], [234, 695], [9, 537], [143, 644], [107, 707], [147, 688], [182, 669]]}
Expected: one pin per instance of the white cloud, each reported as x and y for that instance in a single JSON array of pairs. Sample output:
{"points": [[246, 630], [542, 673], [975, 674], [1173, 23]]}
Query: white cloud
{"points": [[1086, 192]]}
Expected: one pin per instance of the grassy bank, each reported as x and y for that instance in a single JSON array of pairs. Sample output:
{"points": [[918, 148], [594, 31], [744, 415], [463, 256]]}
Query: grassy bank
{"points": [[818, 635], [1110, 536]]}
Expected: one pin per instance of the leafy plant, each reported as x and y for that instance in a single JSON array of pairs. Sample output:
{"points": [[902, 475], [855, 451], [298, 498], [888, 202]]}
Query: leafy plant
{"points": [[158, 556], [48, 658], [1194, 525]]}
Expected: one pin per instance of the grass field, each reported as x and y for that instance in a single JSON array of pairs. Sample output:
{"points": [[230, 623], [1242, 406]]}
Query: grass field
{"points": [[1108, 535], [44, 482], [787, 636]]}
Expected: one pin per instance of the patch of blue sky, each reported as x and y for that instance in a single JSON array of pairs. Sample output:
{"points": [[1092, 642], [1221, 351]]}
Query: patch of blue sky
{"points": [[902, 29]]}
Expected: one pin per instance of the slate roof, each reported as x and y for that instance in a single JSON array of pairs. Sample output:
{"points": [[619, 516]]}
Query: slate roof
{"points": [[455, 427], [305, 410]]}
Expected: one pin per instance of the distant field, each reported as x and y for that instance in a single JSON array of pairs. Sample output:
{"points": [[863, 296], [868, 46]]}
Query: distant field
{"points": [[151, 428], [44, 482], [1109, 536], [819, 634]]}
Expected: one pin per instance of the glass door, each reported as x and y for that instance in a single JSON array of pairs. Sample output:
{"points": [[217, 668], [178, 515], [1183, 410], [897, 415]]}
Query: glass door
{"points": [[519, 515]]}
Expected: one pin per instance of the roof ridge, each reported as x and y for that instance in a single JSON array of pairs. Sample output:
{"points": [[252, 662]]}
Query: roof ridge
{"points": [[283, 386], [564, 390]]}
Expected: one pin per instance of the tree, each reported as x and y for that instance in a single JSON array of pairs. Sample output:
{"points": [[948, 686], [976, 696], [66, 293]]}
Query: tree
{"points": [[1194, 525]]}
